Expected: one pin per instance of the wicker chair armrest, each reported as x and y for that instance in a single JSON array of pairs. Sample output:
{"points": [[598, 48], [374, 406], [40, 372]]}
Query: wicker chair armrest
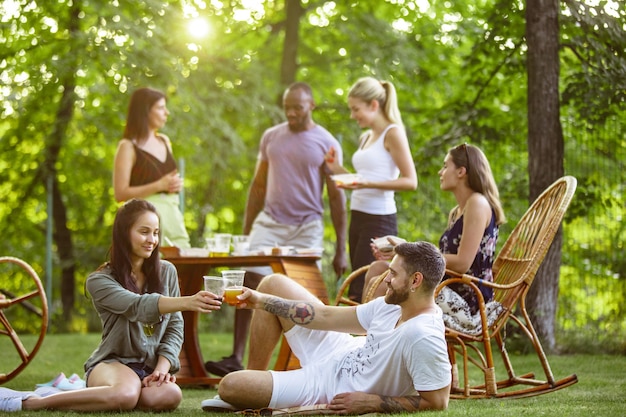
{"points": [[471, 283], [467, 278]]}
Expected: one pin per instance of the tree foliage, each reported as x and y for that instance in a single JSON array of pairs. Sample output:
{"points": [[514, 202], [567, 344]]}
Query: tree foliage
{"points": [[67, 70]]}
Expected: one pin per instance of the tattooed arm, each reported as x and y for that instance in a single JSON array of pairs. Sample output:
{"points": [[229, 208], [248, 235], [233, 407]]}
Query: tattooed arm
{"points": [[305, 313], [361, 402]]}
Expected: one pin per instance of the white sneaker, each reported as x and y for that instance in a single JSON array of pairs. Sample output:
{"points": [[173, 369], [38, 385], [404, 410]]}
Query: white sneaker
{"points": [[52, 383], [11, 400], [217, 405], [67, 384]]}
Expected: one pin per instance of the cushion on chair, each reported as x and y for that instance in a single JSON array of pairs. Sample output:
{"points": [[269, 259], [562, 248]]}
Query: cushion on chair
{"points": [[457, 315]]}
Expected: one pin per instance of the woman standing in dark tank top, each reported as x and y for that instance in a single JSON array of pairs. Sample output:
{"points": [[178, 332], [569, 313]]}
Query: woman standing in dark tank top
{"points": [[145, 166]]}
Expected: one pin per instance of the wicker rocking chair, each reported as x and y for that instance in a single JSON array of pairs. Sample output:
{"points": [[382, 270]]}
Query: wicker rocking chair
{"points": [[342, 298], [514, 269]]}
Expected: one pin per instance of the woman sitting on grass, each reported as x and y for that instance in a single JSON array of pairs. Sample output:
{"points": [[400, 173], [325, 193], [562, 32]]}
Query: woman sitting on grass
{"points": [[138, 300]]}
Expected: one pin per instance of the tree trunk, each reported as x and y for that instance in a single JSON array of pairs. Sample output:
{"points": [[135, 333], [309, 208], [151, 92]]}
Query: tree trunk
{"points": [[65, 249], [289, 64], [62, 234], [545, 149]]}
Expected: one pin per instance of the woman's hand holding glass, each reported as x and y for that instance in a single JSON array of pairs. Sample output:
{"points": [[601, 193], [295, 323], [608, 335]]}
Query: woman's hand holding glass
{"points": [[171, 183], [205, 302]]}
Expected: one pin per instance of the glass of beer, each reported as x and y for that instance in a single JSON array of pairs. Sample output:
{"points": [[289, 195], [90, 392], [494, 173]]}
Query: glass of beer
{"points": [[234, 285], [222, 244]]}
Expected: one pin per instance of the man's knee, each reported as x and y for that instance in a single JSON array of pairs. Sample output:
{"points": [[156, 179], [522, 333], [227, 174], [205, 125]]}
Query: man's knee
{"points": [[272, 284], [282, 286], [229, 386], [246, 389]]}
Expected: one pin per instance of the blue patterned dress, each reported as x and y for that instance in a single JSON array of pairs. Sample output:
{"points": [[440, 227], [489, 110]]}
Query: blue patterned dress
{"points": [[483, 262]]}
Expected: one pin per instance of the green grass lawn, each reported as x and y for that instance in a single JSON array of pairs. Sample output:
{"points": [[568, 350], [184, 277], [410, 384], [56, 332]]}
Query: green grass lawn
{"points": [[599, 392]]}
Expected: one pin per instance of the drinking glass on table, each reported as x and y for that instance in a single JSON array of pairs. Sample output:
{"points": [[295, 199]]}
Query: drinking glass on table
{"points": [[241, 244], [222, 244], [210, 244]]}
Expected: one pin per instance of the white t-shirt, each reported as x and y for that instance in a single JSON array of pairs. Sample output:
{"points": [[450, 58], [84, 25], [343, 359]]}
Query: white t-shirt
{"points": [[389, 361], [416, 352]]}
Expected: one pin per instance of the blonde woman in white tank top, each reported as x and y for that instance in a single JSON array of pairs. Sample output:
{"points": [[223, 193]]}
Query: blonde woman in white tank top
{"points": [[385, 164]]}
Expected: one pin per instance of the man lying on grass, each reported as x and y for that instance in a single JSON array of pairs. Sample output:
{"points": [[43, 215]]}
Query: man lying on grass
{"points": [[398, 363]]}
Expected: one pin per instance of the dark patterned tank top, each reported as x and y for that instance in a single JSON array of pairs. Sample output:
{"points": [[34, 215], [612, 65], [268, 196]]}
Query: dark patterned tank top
{"points": [[148, 168], [483, 262]]}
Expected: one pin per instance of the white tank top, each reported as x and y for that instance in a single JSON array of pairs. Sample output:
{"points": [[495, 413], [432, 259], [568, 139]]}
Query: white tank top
{"points": [[374, 163]]}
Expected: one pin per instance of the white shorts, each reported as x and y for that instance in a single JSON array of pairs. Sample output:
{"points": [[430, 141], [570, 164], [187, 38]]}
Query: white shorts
{"points": [[318, 352], [267, 232]]}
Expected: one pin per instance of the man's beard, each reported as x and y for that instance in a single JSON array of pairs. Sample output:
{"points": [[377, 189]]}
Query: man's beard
{"points": [[396, 296], [298, 125]]}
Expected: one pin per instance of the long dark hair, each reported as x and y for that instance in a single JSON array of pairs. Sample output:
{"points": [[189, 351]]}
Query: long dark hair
{"points": [[139, 107], [120, 252], [480, 178]]}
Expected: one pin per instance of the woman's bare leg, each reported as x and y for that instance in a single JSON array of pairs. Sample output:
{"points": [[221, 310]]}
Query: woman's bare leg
{"points": [[112, 386], [165, 397]]}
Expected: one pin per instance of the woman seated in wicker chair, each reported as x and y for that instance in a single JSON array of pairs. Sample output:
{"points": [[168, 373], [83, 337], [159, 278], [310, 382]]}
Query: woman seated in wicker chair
{"points": [[469, 241]]}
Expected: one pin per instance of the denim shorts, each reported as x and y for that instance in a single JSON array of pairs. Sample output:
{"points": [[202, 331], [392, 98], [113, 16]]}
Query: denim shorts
{"points": [[140, 369]]}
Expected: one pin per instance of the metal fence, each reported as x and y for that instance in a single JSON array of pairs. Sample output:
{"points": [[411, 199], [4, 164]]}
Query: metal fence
{"points": [[593, 272]]}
